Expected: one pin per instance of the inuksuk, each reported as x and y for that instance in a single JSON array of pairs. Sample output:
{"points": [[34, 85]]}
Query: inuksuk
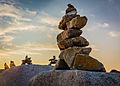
{"points": [[74, 51]]}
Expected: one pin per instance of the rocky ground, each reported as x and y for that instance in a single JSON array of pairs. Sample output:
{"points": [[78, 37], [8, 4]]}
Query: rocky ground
{"points": [[75, 78], [1, 70], [19, 76]]}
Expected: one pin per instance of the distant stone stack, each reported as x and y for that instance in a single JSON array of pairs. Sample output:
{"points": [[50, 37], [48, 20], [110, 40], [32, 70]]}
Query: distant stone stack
{"points": [[74, 51]]}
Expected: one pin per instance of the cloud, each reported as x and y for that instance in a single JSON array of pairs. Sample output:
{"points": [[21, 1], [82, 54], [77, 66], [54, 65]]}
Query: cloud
{"points": [[29, 48], [96, 26], [114, 34], [14, 19], [6, 38]]}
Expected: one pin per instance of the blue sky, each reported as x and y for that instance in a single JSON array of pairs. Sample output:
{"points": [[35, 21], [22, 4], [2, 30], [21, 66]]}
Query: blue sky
{"points": [[30, 27]]}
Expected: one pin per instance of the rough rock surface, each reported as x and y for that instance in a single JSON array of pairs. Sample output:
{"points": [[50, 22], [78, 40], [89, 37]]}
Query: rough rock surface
{"points": [[85, 62], [1, 70], [77, 58], [72, 51], [77, 41], [77, 22], [75, 78], [66, 34], [19, 76], [62, 25]]}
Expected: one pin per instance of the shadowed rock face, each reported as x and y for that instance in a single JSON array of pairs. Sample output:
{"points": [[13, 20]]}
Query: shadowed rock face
{"points": [[61, 65], [19, 76], [75, 78]]}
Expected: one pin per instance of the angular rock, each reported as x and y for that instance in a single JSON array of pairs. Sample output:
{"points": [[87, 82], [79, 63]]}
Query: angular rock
{"points": [[77, 41], [72, 51], [65, 19], [69, 54], [75, 78], [85, 62], [68, 34], [61, 65], [77, 22]]}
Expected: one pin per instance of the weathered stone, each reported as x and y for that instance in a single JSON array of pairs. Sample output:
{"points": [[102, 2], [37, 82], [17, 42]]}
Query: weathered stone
{"points": [[77, 41], [72, 51], [20, 75], [65, 19], [77, 22], [68, 34], [75, 78], [69, 54], [85, 62], [61, 65], [71, 10]]}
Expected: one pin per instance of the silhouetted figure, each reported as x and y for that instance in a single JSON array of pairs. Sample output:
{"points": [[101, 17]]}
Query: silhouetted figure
{"points": [[12, 64], [27, 60], [53, 60], [6, 66]]}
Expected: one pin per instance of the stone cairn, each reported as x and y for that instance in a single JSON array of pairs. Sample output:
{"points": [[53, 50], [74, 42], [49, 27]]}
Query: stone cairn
{"points": [[74, 51], [52, 61], [27, 60]]}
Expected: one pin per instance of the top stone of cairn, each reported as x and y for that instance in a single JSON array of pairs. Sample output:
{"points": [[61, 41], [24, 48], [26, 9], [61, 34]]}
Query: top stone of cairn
{"points": [[71, 20]]}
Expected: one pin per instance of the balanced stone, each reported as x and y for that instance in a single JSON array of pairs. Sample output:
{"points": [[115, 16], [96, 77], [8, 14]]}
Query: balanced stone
{"points": [[68, 34], [77, 41], [85, 62], [71, 10], [77, 22], [69, 54], [66, 18]]}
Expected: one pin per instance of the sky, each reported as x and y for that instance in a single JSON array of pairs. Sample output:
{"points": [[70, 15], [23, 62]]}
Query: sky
{"points": [[30, 27]]}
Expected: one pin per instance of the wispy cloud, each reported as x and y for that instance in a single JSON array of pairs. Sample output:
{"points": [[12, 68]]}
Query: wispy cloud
{"points": [[96, 26], [114, 34], [15, 19]]}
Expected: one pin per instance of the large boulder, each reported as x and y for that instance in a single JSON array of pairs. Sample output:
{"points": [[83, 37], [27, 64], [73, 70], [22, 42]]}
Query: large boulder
{"points": [[78, 58], [85, 62], [77, 41], [68, 34], [19, 75], [75, 78], [77, 22]]}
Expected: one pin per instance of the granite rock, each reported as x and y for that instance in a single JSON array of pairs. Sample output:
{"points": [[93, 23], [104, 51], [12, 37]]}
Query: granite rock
{"points": [[75, 78], [19, 75]]}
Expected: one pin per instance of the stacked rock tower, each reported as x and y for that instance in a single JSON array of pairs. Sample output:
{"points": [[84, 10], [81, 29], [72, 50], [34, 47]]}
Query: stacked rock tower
{"points": [[74, 51]]}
